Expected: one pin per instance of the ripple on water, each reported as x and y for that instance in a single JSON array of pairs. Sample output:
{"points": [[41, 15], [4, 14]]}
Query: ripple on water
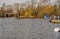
{"points": [[22, 28]]}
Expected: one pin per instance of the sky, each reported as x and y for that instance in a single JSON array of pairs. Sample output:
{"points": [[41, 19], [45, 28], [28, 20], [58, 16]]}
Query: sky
{"points": [[11, 1], [21, 1]]}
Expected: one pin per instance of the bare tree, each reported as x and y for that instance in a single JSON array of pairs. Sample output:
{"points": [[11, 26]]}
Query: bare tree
{"points": [[44, 2], [8, 9], [16, 8], [33, 3], [2, 10]]}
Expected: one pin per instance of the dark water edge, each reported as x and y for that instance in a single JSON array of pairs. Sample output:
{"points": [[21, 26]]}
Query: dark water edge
{"points": [[12, 28]]}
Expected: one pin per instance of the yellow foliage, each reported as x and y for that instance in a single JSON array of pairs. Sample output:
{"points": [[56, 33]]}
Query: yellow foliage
{"points": [[28, 13], [47, 10]]}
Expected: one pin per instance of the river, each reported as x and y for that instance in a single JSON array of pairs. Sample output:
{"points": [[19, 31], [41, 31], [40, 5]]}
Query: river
{"points": [[12, 28]]}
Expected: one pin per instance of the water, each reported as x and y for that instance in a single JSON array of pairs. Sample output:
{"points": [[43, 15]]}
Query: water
{"points": [[12, 28]]}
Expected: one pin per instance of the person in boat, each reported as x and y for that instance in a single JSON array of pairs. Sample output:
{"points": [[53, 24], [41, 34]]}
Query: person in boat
{"points": [[51, 18]]}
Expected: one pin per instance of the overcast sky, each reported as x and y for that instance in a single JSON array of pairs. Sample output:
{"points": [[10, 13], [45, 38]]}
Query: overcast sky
{"points": [[20, 1]]}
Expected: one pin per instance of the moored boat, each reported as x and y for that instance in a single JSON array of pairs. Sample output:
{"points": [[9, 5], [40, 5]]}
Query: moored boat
{"points": [[52, 20], [55, 21]]}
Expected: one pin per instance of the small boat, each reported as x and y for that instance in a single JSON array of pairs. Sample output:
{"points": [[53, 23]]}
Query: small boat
{"points": [[47, 16], [54, 20]]}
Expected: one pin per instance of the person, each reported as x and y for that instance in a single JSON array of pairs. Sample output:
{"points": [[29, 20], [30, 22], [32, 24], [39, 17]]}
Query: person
{"points": [[58, 17], [51, 18]]}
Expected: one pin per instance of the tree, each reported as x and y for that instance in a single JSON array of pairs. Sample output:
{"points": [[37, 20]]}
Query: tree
{"points": [[44, 2], [33, 3], [16, 8], [8, 9]]}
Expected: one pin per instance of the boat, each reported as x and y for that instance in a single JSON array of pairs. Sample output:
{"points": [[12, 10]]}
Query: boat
{"points": [[52, 20], [55, 21]]}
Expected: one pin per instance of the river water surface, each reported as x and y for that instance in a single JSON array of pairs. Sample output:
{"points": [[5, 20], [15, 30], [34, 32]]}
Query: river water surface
{"points": [[12, 28]]}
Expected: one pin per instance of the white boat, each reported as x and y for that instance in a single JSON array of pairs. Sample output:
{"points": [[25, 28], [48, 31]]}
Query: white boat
{"points": [[55, 21]]}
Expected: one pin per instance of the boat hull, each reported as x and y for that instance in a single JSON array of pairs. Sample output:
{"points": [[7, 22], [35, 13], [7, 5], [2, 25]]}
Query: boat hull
{"points": [[55, 21]]}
